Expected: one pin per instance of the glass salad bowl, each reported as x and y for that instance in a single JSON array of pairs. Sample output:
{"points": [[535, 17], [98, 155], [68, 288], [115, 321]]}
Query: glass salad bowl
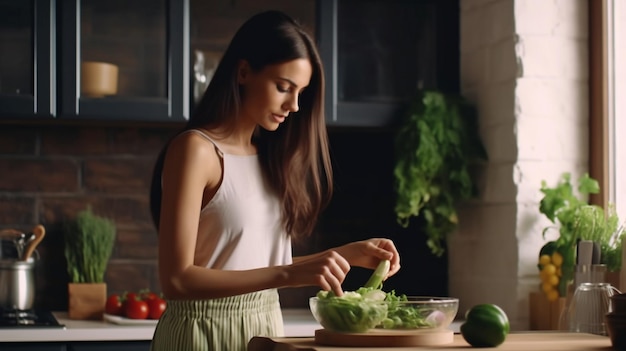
{"points": [[419, 312], [358, 312], [350, 313]]}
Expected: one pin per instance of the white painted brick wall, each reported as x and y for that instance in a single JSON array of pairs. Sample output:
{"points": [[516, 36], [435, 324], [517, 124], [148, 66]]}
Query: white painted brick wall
{"points": [[524, 64]]}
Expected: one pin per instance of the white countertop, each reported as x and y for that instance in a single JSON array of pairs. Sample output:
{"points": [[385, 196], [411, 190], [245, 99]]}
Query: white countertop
{"points": [[298, 322]]}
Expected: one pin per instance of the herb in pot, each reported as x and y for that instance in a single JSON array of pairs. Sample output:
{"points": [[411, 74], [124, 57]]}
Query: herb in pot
{"points": [[576, 219], [89, 241]]}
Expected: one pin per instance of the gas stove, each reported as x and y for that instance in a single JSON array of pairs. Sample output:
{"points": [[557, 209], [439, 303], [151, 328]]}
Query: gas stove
{"points": [[28, 319]]}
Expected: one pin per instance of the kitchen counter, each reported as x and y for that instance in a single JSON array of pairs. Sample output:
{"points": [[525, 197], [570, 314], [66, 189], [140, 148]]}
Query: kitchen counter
{"points": [[298, 322], [536, 341]]}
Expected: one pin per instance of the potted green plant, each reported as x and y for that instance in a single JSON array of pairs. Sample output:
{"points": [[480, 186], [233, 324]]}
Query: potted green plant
{"points": [[436, 144], [89, 241], [575, 219]]}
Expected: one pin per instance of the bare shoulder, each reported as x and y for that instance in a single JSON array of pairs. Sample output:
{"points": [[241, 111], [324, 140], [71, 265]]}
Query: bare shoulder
{"points": [[192, 145], [193, 152]]}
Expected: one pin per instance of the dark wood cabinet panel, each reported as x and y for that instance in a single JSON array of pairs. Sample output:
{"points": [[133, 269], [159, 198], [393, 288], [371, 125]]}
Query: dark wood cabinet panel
{"points": [[45, 42], [148, 43], [27, 44], [77, 346], [378, 53], [33, 346], [111, 345]]}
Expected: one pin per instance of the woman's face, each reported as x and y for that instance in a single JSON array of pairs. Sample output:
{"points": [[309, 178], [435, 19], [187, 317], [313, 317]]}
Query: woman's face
{"points": [[271, 94]]}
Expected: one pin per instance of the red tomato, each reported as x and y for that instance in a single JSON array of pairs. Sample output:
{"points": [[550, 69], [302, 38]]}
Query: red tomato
{"points": [[156, 306], [148, 295], [114, 305], [130, 296], [136, 309]]}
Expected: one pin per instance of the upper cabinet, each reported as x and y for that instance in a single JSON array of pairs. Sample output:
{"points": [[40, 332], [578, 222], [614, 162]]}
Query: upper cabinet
{"points": [[151, 60], [27, 47], [214, 23], [124, 60], [110, 60], [377, 53]]}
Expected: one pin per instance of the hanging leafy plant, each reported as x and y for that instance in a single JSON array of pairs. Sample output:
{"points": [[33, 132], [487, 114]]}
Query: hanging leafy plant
{"points": [[435, 145]]}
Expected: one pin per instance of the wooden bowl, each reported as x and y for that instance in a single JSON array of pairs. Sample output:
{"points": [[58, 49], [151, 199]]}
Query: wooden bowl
{"points": [[98, 79]]}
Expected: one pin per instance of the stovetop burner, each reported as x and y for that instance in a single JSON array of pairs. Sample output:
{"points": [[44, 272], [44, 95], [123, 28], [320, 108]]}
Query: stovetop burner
{"points": [[28, 319]]}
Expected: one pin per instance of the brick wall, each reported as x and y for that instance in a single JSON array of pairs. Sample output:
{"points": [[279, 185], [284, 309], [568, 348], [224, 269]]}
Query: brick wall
{"points": [[51, 173], [524, 62]]}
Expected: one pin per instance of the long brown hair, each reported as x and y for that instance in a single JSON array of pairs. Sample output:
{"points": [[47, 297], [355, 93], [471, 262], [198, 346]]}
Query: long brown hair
{"points": [[295, 158]]}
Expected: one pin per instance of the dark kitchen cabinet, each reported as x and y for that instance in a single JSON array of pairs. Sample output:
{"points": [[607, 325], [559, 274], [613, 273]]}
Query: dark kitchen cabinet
{"points": [[147, 40], [377, 53], [27, 47], [111, 345], [77, 346], [33, 346], [45, 42]]}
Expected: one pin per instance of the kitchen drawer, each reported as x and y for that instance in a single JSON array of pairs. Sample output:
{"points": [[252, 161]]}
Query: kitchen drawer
{"points": [[32, 346], [105, 346]]}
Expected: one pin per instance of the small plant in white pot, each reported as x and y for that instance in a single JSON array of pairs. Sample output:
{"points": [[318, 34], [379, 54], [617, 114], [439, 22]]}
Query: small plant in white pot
{"points": [[89, 241]]}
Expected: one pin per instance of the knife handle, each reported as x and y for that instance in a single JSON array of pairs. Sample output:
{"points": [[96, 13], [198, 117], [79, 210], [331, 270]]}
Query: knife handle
{"points": [[596, 254]]}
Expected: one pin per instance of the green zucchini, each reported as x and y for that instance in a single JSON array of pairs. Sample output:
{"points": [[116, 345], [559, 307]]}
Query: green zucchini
{"points": [[376, 279]]}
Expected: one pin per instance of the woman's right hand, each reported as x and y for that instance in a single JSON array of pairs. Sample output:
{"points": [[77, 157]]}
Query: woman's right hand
{"points": [[326, 270]]}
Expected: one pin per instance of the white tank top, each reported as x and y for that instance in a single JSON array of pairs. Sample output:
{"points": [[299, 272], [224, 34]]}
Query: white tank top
{"points": [[240, 228]]}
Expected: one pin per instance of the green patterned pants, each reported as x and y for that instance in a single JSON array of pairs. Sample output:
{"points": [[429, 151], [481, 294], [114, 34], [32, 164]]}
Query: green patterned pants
{"points": [[225, 324]]}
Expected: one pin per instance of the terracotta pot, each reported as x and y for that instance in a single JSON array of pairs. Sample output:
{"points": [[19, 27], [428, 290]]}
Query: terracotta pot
{"points": [[98, 79], [87, 300]]}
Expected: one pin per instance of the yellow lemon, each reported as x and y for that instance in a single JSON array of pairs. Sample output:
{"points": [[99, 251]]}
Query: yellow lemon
{"points": [[552, 295], [549, 269], [553, 280], [557, 259], [544, 260]]}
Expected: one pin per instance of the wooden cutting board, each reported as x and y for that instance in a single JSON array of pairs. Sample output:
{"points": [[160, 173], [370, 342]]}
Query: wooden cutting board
{"points": [[385, 338], [526, 341]]}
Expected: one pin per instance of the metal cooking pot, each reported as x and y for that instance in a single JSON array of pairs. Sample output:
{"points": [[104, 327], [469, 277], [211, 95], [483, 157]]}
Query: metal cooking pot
{"points": [[17, 284]]}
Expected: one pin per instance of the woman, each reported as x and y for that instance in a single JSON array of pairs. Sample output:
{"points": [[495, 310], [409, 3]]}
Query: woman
{"points": [[249, 172]]}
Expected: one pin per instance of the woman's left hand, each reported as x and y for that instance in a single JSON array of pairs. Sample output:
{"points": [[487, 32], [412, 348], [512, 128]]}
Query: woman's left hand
{"points": [[368, 253]]}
